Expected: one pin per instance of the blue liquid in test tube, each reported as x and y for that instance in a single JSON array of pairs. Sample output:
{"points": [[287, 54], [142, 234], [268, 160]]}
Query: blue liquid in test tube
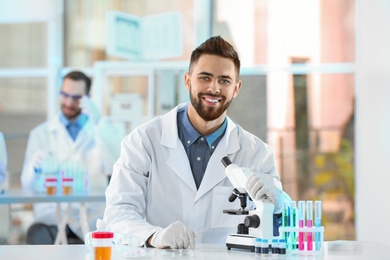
{"points": [[286, 222], [293, 223], [317, 223]]}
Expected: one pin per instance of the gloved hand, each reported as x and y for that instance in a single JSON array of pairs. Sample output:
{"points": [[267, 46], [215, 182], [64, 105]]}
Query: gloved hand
{"points": [[175, 236], [260, 184], [89, 108], [38, 158]]}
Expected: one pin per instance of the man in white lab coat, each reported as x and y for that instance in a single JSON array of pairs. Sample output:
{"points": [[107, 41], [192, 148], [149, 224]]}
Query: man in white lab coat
{"points": [[78, 135], [5, 215], [169, 186], [3, 160]]}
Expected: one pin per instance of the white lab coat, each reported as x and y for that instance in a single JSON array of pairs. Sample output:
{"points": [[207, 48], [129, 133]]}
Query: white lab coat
{"points": [[53, 137], [3, 160], [152, 185]]}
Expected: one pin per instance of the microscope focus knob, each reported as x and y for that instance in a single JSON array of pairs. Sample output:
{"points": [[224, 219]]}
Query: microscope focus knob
{"points": [[252, 221], [242, 229]]}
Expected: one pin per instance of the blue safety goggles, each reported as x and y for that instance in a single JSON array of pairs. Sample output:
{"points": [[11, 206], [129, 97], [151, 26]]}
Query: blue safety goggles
{"points": [[73, 97]]}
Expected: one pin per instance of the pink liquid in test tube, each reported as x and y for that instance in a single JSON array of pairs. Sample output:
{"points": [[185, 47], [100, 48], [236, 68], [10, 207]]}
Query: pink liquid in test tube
{"points": [[309, 224], [301, 221]]}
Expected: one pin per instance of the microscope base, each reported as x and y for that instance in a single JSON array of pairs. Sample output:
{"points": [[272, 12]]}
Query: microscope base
{"points": [[246, 242]]}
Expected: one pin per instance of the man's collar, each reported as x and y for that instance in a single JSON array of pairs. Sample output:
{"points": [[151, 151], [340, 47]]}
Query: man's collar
{"points": [[80, 120], [191, 134]]}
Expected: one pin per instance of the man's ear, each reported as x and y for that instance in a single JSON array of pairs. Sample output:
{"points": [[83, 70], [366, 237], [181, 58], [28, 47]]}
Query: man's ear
{"points": [[237, 88], [187, 81]]}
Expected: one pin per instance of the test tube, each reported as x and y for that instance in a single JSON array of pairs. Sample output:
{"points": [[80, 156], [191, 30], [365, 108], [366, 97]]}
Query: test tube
{"points": [[301, 221], [293, 223], [286, 220], [309, 224], [317, 223]]}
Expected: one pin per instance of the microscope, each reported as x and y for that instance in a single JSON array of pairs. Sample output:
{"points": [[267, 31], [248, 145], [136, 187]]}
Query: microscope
{"points": [[258, 222]]}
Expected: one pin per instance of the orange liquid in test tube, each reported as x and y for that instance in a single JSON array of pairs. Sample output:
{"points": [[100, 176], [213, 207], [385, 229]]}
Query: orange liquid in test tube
{"points": [[66, 190], [102, 253], [67, 186], [51, 190], [51, 186]]}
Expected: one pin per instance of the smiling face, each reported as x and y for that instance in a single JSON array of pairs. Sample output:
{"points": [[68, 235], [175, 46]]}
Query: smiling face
{"points": [[213, 84]]}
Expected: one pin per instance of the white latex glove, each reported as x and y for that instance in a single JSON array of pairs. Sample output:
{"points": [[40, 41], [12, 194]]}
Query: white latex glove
{"points": [[260, 184], [89, 108], [175, 236], [100, 224], [38, 158]]}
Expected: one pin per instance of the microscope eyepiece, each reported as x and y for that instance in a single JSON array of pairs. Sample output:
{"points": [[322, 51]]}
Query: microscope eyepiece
{"points": [[226, 161]]}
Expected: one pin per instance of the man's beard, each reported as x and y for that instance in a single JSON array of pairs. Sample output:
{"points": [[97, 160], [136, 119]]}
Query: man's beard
{"points": [[72, 116], [209, 113]]}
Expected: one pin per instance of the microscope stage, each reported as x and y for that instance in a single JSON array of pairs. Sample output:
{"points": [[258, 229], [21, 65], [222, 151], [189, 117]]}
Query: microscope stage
{"points": [[236, 212]]}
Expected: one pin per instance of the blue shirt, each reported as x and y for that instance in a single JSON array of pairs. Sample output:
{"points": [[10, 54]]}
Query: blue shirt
{"points": [[74, 127], [198, 148]]}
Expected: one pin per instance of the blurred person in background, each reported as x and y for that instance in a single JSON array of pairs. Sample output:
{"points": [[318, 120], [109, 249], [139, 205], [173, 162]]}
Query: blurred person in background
{"points": [[80, 135], [5, 215], [3, 160]]}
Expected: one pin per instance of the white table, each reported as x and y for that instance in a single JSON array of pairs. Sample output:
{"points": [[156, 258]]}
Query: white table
{"points": [[358, 251], [25, 197]]}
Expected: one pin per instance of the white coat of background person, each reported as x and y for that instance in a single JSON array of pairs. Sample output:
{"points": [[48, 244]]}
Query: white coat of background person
{"points": [[96, 148], [152, 194], [3, 160], [5, 214]]}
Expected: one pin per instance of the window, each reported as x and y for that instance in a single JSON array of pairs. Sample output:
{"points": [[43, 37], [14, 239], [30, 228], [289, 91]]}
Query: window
{"points": [[304, 50]]}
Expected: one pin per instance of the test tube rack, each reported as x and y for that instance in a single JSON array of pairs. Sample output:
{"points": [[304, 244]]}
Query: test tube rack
{"points": [[292, 246]]}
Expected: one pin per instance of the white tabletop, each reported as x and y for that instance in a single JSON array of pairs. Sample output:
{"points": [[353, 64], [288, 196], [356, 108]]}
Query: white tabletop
{"points": [[337, 250], [21, 196]]}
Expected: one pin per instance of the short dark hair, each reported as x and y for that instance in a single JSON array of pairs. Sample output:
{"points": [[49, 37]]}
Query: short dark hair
{"points": [[216, 45], [78, 75]]}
